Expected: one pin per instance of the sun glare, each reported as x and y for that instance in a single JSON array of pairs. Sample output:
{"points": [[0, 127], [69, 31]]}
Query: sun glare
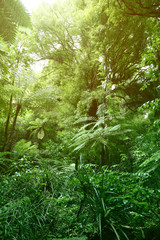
{"points": [[31, 5]]}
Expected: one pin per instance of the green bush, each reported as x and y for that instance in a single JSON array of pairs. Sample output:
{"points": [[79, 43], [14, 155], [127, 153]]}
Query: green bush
{"points": [[97, 203], [24, 148], [77, 238], [37, 204], [119, 204], [22, 214], [25, 156], [57, 155]]}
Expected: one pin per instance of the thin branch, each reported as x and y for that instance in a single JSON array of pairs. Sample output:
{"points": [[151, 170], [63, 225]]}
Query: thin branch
{"points": [[152, 10]]}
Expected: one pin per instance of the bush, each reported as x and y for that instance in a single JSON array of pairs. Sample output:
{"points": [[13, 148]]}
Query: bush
{"points": [[119, 204], [97, 203], [37, 204]]}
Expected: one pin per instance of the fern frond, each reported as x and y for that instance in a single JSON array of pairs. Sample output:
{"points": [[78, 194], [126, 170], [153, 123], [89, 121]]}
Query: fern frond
{"points": [[13, 14]]}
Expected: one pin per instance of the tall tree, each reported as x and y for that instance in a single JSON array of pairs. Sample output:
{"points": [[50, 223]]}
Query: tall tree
{"points": [[94, 54], [15, 80], [13, 14]]}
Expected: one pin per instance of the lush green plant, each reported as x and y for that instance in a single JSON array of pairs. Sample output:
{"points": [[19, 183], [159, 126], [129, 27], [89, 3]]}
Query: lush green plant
{"points": [[24, 156], [5, 161], [145, 152], [22, 216], [24, 148], [96, 139], [99, 63], [38, 204], [13, 13], [118, 203], [57, 153], [77, 238], [28, 205], [41, 204]]}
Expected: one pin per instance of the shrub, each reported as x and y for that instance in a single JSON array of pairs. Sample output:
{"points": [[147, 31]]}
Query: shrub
{"points": [[119, 204]]}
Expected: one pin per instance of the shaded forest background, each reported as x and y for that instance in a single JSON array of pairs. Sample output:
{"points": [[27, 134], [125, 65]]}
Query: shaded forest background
{"points": [[80, 120]]}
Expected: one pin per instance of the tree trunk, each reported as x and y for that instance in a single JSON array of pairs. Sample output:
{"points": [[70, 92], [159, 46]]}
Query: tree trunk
{"points": [[76, 164], [103, 155], [105, 159], [13, 126], [7, 124]]}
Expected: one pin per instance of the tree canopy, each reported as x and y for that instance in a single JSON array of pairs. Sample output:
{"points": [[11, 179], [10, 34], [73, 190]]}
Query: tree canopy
{"points": [[13, 14]]}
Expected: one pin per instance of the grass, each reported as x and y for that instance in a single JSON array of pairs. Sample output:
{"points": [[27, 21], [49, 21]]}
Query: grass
{"points": [[75, 238]]}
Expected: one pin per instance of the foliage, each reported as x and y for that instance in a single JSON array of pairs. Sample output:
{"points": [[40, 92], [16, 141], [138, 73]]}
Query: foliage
{"points": [[25, 204], [106, 193], [4, 162], [23, 148], [31, 205], [98, 135], [37, 128], [12, 13], [24, 156], [149, 8], [77, 238], [77, 159], [57, 153], [92, 202]]}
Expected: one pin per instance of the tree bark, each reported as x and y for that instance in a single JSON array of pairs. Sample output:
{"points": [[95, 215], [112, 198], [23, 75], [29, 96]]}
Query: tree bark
{"points": [[13, 126], [7, 124], [103, 155], [76, 164]]}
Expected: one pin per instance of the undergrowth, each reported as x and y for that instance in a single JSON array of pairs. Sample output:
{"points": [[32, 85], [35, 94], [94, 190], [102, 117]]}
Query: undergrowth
{"points": [[99, 204]]}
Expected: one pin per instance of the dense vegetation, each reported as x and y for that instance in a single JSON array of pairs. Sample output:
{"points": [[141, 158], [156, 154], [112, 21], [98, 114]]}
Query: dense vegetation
{"points": [[79, 120]]}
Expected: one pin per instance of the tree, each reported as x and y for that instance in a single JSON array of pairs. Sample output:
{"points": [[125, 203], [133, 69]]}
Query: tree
{"points": [[16, 81], [13, 14], [149, 8], [96, 55], [93, 60]]}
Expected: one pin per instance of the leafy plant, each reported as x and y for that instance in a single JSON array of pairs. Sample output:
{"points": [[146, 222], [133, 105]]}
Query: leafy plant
{"points": [[5, 161], [118, 202], [25, 155], [37, 128], [13, 13], [99, 138]]}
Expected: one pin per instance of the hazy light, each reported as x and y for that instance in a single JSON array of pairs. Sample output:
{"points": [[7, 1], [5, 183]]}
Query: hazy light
{"points": [[146, 115], [32, 5], [113, 87]]}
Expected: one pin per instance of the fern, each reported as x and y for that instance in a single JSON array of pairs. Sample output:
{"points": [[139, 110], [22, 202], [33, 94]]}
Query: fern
{"points": [[13, 14], [151, 164], [97, 134]]}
